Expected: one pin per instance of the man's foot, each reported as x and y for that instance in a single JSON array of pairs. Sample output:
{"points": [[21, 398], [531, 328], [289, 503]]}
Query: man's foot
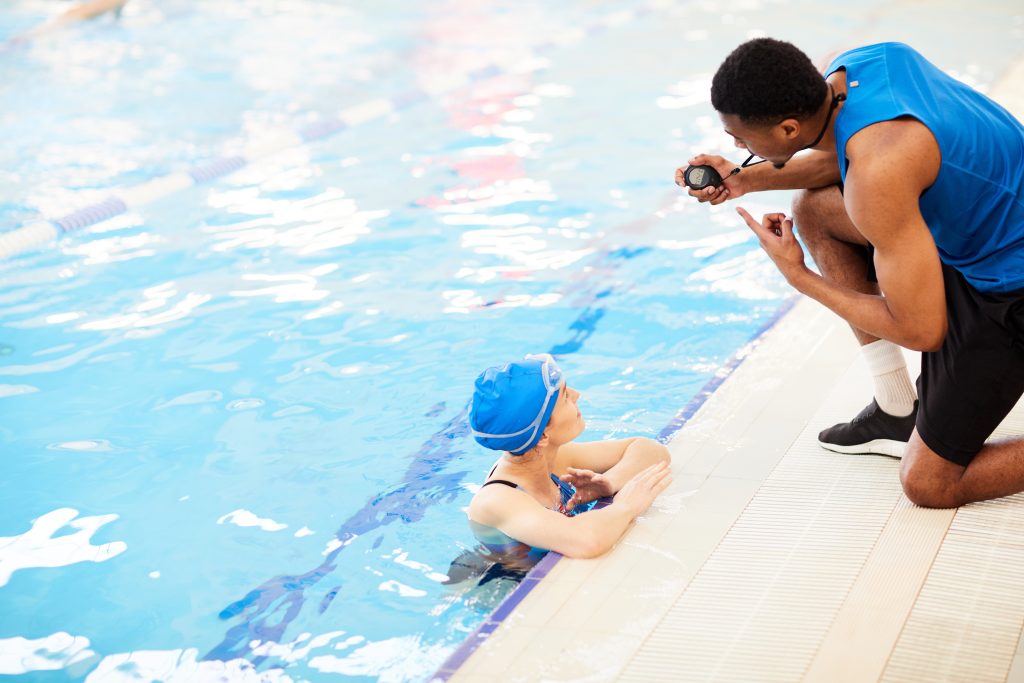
{"points": [[872, 431]]}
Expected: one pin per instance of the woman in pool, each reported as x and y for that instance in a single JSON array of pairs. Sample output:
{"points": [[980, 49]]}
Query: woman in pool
{"points": [[530, 500]]}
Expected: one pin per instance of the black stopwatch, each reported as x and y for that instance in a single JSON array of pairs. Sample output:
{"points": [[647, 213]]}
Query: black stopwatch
{"points": [[699, 177]]}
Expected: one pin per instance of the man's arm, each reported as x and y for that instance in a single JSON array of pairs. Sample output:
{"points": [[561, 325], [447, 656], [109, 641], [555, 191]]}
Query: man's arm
{"points": [[807, 170], [892, 163]]}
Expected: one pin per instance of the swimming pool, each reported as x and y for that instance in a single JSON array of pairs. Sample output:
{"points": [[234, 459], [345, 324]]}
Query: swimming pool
{"points": [[233, 417]]}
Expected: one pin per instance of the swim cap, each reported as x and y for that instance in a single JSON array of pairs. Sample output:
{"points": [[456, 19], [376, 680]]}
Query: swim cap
{"points": [[512, 403]]}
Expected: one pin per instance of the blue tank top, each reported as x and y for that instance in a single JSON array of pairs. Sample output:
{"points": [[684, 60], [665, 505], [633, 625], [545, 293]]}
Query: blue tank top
{"points": [[974, 209]]}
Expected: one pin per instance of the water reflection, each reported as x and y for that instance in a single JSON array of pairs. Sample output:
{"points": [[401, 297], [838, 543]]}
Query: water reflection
{"points": [[49, 544]]}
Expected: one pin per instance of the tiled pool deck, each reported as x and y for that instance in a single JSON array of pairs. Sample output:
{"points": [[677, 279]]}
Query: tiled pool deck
{"points": [[772, 559]]}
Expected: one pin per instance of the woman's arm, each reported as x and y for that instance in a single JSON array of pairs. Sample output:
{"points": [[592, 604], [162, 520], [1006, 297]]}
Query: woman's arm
{"points": [[617, 459], [584, 536]]}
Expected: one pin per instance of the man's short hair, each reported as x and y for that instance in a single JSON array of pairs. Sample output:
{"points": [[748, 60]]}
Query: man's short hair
{"points": [[764, 81]]}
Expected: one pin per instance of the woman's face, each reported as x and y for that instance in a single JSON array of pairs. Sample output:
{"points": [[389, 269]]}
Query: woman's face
{"points": [[566, 421]]}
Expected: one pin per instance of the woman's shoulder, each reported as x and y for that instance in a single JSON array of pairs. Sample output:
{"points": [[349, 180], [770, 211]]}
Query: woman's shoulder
{"points": [[491, 502]]}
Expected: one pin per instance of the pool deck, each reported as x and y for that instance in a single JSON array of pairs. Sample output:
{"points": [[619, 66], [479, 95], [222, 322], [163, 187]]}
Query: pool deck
{"points": [[772, 559]]}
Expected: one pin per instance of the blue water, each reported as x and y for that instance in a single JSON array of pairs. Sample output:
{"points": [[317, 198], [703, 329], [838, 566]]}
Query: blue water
{"points": [[232, 422]]}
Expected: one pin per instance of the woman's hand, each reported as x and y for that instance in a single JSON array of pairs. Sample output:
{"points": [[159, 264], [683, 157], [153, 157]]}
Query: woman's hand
{"points": [[731, 188], [590, 485], [775, 232], [640, 491]]}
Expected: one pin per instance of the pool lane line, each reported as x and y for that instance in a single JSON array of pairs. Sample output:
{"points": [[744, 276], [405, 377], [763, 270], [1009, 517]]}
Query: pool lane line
{"points": [[548, 562], [44, 231]]}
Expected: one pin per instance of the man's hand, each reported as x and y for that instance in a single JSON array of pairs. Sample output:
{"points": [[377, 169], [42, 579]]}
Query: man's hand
{"points": [[775, 232], [731, 188], [589, 485]]}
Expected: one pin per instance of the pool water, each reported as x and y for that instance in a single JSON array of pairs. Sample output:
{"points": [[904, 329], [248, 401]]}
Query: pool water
{"points": [[233, 421]]}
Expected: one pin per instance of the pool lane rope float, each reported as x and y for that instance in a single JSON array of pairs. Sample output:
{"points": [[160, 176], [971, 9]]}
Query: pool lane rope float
{"points": [[47, 231]]}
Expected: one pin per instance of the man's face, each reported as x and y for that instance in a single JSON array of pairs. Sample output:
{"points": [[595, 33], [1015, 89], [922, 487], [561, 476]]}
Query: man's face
{"points": [[776, 143]]}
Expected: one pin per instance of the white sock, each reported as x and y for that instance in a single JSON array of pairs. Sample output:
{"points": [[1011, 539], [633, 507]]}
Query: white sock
{"points": [[894, 391]]}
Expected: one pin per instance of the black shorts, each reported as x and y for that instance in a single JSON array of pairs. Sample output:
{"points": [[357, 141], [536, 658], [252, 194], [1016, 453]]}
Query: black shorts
{"points": [[970, 384]]}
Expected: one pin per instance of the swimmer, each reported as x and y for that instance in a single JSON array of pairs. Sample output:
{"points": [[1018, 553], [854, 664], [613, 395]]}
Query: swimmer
{"points": [[533, 497], [80, 12]]}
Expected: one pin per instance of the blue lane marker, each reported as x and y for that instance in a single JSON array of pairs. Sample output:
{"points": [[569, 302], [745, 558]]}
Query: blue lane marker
{"points": [[322, 129], [88, 215], [204, 173]]}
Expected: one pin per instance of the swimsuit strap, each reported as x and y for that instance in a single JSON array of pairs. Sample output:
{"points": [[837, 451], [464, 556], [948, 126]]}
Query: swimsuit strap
{"points": [[566, 491], [559, 507], [500, 481]]}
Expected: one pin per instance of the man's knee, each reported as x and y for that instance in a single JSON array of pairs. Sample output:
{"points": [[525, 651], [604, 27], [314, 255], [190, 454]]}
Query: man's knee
{"points": [[925, 486], [813, 202], [814, 212], [927, 494]]}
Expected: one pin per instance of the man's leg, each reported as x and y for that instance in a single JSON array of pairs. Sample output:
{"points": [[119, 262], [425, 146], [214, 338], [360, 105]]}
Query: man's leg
{"points": [[929, 480], [834, 242], [840, 252], [968, 387]]}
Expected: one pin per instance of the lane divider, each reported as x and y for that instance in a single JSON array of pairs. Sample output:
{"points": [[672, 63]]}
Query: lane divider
{"points": [[42, 232]]}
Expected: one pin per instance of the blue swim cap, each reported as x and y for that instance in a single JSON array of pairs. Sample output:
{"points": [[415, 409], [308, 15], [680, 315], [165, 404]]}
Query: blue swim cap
{"points": [[512, 403]]}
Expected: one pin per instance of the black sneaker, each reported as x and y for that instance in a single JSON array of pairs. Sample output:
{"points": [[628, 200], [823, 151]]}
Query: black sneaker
{"points": [[872, 431]]}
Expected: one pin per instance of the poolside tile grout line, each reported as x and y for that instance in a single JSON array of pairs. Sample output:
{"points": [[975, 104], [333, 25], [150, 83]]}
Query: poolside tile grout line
{"points": [[42, 230], [548, 562]]}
